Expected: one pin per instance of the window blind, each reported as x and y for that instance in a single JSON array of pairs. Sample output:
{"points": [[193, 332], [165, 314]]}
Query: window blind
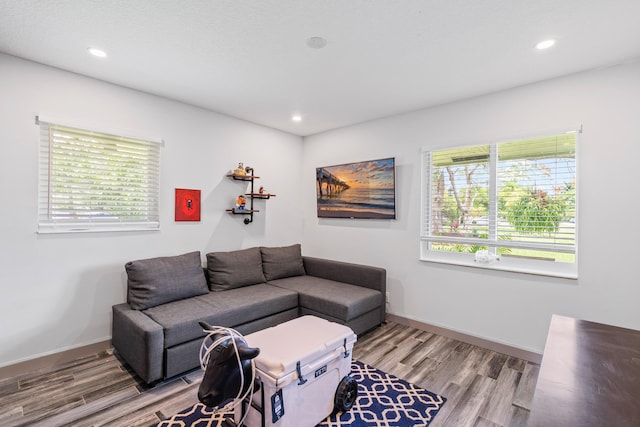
{"points": [[536, 195], [516, 200], [93, 181]]}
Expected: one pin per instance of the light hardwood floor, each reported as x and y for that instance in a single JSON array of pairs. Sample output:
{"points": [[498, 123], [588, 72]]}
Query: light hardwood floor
{"points": [[483, 388]]}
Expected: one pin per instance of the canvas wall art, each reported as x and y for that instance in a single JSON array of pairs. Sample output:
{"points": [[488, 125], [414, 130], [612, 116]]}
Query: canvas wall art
{"points": [[363, 190], [187, 205]]}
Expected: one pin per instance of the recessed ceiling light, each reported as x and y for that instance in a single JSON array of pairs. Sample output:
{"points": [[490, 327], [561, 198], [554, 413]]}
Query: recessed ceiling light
{"points": [[546, 44], [316, 42], [97, 52], [296, 118]]}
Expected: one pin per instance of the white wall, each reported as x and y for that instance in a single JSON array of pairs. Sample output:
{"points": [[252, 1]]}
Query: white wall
{"points": [[505, 307], [57, 290]]}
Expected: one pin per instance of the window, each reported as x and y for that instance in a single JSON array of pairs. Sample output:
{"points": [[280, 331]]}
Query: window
{"points": [[91, 181], [508, 206]]}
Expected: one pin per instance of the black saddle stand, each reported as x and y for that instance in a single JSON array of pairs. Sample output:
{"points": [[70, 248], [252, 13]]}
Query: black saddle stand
{"points": [[257, 387]]}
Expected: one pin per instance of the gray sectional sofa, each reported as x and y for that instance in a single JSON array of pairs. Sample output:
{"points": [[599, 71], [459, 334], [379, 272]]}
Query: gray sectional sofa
{"points": [[157, 333]]}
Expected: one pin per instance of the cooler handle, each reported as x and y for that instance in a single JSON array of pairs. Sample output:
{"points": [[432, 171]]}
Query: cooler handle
{"points": [[301, 379], [321, 362]]}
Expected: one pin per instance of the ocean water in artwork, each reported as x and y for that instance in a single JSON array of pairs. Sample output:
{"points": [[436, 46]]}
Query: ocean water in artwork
{"points": [[363, 202]]}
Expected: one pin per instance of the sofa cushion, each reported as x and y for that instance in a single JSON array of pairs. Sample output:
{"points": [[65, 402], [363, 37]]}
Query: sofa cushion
{"points": [[229, 308], [336, 299], [278, 263], [234, 269], [155, 281]]}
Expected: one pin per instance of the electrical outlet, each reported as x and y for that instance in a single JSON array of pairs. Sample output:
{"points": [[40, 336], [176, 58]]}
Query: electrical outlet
{"points": [[387, 297]]}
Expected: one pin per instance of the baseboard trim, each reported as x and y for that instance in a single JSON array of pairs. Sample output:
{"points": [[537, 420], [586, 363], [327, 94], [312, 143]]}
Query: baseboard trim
{"points": [[53, 360], [66, 356], [470, 339]]}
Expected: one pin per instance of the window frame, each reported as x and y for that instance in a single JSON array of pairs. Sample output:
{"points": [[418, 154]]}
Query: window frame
{"points": [[100, 219], [568, 270]]}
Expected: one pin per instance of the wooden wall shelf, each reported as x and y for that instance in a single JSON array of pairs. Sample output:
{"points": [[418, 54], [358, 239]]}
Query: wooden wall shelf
{"points": [[242, 211], [265, 196], [250, 177], [238, 177]]}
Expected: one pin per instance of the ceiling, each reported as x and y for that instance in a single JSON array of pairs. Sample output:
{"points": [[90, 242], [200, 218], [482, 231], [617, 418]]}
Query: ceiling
{"points": [[250, 59]]}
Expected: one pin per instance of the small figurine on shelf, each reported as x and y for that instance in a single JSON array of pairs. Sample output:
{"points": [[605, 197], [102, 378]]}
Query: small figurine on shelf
{"points": [[241, 203], [240, 170], [261, 190]]}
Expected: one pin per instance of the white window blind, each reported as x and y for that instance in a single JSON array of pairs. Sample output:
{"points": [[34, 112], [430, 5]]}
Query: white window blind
{"points": [[92, 181], [509, 205]]}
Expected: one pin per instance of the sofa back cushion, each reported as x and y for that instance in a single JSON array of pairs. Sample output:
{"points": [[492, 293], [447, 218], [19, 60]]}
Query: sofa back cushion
{"points": [[278, 263], [156, 281], [234, 269]]}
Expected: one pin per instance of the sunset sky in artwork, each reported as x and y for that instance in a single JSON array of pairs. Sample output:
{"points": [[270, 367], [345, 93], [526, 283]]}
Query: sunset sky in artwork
{"points": [[372, 174]]}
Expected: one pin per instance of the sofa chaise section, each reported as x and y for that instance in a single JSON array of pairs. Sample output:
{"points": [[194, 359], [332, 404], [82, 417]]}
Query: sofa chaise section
{"points": [[363, 276], [358, 306]]}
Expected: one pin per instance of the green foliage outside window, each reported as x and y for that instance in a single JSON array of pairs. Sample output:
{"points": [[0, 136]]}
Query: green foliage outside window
{"points": [[536, 212]]}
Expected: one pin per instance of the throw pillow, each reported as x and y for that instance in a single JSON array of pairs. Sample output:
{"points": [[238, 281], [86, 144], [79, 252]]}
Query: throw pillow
{"points": [[156, 281], [234, 269], [282, 262]]}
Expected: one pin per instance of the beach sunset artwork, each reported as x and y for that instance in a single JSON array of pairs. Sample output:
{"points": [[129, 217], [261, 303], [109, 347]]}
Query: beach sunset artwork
{"points": [[357, 190]]}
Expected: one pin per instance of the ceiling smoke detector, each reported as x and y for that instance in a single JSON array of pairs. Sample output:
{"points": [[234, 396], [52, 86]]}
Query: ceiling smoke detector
{"points": [[316, 42]]}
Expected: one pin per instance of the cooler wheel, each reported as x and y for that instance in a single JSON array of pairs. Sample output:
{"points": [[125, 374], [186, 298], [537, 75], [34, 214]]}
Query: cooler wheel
{"points": [[346, 394]]}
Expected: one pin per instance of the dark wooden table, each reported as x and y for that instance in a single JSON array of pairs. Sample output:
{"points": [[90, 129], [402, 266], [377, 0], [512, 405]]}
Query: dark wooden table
{"points": [[590, 376]]}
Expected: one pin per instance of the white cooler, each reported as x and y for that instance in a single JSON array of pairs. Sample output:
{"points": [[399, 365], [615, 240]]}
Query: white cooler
{"points": [[300, 366]]}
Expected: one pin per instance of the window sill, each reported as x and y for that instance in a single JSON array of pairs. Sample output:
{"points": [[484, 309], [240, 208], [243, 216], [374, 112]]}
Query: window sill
{"points": [[523, 266], [70, 229]]}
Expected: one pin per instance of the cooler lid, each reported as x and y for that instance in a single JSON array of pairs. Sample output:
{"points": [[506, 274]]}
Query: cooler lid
{"points": [[303, 340]]}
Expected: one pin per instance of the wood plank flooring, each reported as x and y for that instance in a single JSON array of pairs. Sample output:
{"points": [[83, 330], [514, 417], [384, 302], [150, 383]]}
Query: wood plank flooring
{"points": [[483, 388]]}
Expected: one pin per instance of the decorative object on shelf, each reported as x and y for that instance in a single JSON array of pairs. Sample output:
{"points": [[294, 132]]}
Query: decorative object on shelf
{"points": [[240, 207], [187, 205], [241, 202], [240, 170]]}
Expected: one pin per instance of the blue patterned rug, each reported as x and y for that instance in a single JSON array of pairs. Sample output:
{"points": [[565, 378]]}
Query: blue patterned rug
{"points": [[383, 400]]}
